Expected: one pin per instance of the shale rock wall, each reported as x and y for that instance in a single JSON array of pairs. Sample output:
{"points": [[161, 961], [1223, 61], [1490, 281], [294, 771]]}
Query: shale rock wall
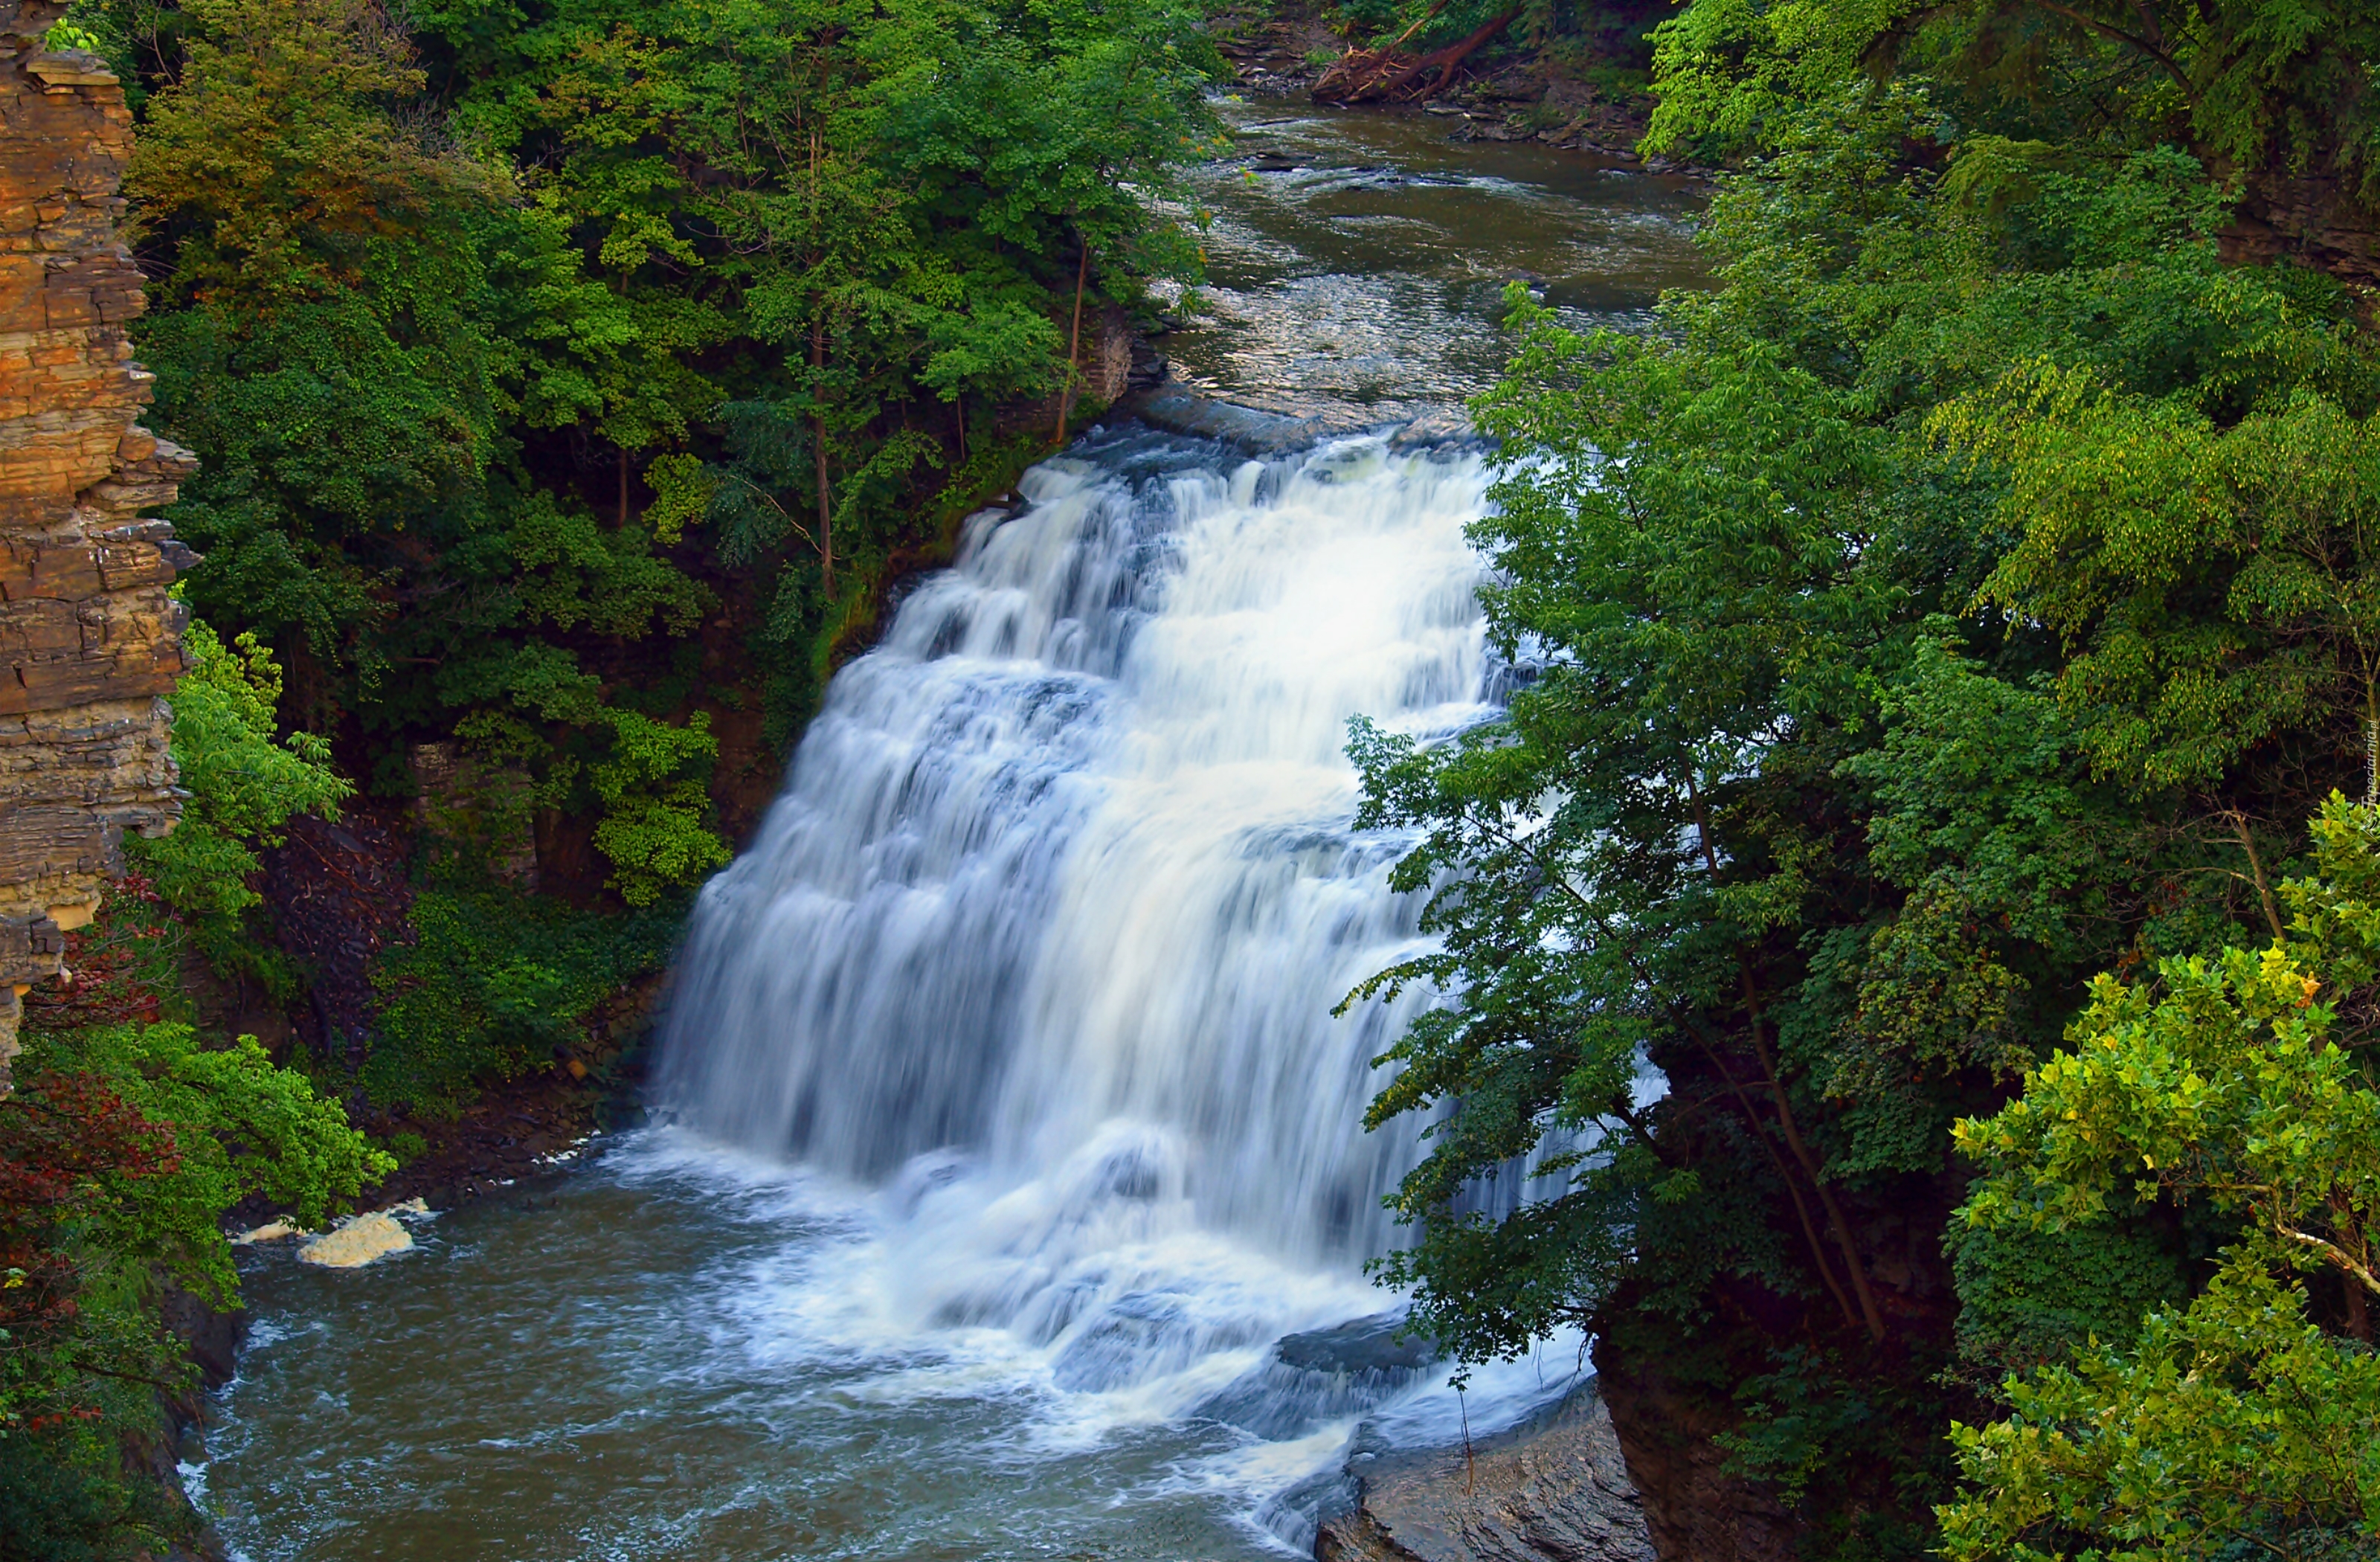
{"points": [[90, 642]]}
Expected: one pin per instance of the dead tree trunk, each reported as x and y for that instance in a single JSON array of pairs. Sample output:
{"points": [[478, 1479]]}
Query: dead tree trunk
{"points": [[1387, 75]]}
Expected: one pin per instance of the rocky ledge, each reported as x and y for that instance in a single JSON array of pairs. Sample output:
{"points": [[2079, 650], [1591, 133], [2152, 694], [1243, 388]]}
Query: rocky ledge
{"points": [[1551, 1490], [1169, 405], [88, 640]]}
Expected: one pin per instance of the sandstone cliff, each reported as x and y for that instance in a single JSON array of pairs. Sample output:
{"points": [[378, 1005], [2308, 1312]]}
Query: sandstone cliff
{"points": [[88, 640]]}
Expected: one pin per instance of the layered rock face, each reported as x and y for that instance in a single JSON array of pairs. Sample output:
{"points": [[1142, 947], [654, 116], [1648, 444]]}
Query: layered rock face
{"points": [[90, 642], [1554, 1490]]}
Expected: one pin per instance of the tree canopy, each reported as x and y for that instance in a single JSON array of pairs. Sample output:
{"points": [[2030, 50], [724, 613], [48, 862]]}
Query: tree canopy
{"points": [[1964, 598]]}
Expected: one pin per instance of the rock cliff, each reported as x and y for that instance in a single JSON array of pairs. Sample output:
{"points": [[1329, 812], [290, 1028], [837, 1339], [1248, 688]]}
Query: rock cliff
{"points": [[89, 640]]}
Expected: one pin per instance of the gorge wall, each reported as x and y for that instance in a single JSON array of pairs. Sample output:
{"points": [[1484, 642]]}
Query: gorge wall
{"points": [[89, 640]]}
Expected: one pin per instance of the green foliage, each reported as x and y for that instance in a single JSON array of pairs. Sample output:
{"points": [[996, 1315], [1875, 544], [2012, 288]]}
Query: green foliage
{"points": [[1964, 597], [239, 1127], [271, 150], [2135, 510], [2234, 1083], [407, 1146], [243, 782], [1813, 1416], [494, 983], [60, 1503], [2028, 1297], [2254, 84], [654, 803], [2233, 1429], [2223, 1084]]}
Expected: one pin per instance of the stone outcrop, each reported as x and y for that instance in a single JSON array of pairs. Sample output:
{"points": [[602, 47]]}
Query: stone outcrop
{"points": [[90, 642], [1697, 1508], [2319, 220], [1553, 1491]]}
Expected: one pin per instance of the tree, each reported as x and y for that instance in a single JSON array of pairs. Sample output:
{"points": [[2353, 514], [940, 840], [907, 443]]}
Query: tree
{"points": [[2238, 1082], [244, 783], [1874, 696], [2272, 95]]}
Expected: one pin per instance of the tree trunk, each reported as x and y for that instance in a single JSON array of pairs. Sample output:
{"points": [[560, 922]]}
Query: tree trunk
{"points": [[1348, 65], [1384, 75], [817, 442]]}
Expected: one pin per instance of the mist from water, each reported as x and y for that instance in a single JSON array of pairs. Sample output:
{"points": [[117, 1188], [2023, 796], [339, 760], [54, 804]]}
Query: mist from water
{"points": [[1045, 934]]}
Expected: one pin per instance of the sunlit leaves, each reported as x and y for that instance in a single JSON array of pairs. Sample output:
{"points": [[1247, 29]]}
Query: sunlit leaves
{"points": [[243, 782], [2216, 584], [656, 804], [2235, 1427], [2228, 1084]]}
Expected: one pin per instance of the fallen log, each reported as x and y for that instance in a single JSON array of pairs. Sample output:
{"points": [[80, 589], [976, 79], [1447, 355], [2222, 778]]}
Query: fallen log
{"points": [[1384, 75], [1335, 79]]}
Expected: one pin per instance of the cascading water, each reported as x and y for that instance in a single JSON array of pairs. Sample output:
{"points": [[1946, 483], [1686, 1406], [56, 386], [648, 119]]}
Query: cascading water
{"points": [[1047, 928], [1019, 1196]]}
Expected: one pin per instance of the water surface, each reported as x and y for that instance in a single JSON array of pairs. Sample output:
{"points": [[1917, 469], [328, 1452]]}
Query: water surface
{"points": [[1359, 259]]}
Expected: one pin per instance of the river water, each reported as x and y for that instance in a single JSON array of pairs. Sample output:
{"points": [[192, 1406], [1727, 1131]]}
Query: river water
{"points": [[1008, 1195]]}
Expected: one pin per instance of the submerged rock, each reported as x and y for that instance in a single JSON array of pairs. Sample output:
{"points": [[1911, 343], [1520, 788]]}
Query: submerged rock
{"points": [[1322, 1376], [271, 1231], [357, 1242], [1443, 427], [1553, 1491]]}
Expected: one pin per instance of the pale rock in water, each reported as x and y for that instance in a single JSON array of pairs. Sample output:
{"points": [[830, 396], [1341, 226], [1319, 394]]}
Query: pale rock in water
{"points": [[357, 1242], [282, 1226], [271, 1231]]}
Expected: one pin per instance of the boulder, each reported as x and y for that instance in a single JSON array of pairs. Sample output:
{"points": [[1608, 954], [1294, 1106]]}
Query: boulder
{"points": [[1553, 1490], [1310, 1379], [357, 1242]]}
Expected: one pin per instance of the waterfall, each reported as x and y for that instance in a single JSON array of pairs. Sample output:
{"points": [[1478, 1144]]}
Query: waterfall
{"points": [[1043, 937]]}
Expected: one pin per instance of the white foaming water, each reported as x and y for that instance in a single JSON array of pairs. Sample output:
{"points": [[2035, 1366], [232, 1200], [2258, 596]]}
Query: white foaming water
{"points": [[1042, 941]]}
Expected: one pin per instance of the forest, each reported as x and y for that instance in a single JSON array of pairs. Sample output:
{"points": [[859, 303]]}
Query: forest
{"points": [[1948, 762], [1945, 755], [568, 383]]}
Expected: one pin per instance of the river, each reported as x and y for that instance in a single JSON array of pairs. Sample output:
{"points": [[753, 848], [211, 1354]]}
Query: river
{"points": [[1003, 1125]]}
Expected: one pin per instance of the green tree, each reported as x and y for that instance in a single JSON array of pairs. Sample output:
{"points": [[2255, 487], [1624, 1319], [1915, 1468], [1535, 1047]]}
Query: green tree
{"points": [[272, 157], [244, 783], [654, 805], [2269, 91], [2234, 1082], [1866, 717]]}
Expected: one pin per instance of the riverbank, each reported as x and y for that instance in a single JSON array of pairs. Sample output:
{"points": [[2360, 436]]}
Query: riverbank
{"points": [[1511, 93]]}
